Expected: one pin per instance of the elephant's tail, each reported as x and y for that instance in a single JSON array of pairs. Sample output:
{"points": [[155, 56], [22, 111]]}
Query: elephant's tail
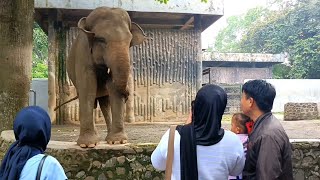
{"points": [[66, 102]]}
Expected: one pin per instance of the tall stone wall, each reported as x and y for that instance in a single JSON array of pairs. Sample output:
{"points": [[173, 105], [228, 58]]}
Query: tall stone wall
{"points": [[133, 161]]}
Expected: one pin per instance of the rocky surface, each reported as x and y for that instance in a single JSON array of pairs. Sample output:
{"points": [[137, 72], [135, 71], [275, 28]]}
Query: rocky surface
{"points": [[300, 111]]}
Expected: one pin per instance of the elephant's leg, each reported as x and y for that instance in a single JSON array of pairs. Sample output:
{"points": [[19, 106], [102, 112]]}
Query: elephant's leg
{"points": [[117, 134], [106, 111], [87, 94], [130, 104]]}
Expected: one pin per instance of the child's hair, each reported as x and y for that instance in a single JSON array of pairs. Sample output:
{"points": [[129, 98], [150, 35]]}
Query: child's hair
{"points": [[241, 120]]}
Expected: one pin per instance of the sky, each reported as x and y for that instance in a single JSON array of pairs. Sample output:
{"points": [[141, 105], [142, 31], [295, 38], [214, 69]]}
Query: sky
{"points": [[231, 8]]}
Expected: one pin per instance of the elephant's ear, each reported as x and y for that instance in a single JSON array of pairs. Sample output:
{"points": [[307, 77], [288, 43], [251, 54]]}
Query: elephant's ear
{"points": [[82, 26], [138, 36]]}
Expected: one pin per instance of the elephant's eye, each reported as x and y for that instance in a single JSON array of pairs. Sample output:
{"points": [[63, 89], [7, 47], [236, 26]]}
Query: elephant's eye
{"points": [[99, 39]]}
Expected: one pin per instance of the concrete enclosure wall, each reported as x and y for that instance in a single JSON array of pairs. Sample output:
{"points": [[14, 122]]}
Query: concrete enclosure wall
{"points": [[165, 74], [133, 161], [296, 91], [40, 86]]}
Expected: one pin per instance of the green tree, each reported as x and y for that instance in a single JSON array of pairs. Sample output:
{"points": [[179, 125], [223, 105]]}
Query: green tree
{"points": [[39, 53], [228, 39], [295, 30]]}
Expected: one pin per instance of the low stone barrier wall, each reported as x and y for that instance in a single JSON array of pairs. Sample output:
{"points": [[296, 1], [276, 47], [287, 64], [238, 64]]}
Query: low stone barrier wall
{"points": [[133, 161], [300, 111]]}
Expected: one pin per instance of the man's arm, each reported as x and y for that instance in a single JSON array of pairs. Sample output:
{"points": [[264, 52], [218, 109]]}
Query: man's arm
{"points": [[269, 159]]}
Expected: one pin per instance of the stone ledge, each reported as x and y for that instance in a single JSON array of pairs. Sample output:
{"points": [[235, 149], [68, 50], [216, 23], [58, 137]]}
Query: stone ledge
{"points": [[132, 161], [8, 136]]}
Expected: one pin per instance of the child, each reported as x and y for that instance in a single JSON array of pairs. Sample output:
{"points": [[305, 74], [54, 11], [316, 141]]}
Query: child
{"points": [[242, 126]]}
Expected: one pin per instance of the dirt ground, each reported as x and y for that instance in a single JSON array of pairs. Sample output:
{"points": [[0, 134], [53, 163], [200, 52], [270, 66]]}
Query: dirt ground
{"points": [[151, 133]]}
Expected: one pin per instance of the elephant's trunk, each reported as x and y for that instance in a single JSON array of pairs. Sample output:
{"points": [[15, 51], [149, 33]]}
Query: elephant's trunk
{"points": [[120, 69]]}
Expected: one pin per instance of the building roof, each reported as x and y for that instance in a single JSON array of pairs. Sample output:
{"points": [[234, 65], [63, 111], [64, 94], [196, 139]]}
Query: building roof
{"points": [[211, 59], [177, 14]]}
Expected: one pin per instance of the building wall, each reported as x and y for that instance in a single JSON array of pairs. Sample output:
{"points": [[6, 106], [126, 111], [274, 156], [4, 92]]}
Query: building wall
{"points": [[236, 75]]}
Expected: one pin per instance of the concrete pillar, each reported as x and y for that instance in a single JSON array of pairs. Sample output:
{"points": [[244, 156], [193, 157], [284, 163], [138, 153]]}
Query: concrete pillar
{"points": [[198, 27], [58, 86]]}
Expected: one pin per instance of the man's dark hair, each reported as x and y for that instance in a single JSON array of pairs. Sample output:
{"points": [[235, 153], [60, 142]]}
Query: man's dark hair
{"points": [[262, 92]]}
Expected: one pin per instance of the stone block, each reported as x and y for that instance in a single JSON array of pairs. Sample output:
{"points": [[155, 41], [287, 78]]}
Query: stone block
{"points": [[300, 111]]}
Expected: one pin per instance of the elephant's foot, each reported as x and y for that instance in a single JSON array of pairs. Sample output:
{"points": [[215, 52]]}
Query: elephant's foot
{"points": [[89, 140], [117, 138]]}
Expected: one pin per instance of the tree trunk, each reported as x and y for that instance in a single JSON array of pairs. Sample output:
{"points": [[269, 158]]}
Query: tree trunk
{"points": [[16, 21]]}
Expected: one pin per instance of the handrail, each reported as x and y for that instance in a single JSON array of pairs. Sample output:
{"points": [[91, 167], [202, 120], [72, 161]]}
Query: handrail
{"points": [[34, 97]]}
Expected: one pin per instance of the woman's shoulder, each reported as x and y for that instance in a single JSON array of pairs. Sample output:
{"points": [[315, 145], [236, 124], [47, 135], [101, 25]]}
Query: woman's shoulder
{"points": [[49, 160], [230, 136], [52, 159]]}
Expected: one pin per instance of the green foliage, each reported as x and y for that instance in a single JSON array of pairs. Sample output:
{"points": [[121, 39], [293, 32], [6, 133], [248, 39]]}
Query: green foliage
{"points": [[39, 53], [166, 1], [292, 27], [40, 70], [228, 39], [296, 31]]}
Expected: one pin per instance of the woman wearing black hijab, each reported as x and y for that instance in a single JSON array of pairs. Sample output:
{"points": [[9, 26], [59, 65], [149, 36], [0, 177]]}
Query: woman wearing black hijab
{"points": [[202, 149], [32, 131]]}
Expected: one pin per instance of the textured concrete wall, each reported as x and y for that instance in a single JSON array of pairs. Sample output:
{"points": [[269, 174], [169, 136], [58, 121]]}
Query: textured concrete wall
{"points": [[236, 75], [300, 111], [133, 161], [165, 74]]}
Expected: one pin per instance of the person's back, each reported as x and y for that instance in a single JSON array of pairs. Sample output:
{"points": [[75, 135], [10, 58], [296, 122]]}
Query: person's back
{"points": [[202, 149], [269, 149], [215, 162], [51, 169], [269, 130], [32, 131]]}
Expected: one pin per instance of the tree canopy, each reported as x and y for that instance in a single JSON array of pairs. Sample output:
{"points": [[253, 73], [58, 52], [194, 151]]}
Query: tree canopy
{"points": [[228, 39], [294, 29]]}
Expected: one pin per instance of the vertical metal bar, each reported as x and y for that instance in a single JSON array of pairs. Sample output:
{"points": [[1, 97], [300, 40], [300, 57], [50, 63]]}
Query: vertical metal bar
{"points": [[34, 97]]}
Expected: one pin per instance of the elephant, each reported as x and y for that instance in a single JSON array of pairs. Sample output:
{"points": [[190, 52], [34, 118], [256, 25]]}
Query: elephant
{"points": [[99, 67]]}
